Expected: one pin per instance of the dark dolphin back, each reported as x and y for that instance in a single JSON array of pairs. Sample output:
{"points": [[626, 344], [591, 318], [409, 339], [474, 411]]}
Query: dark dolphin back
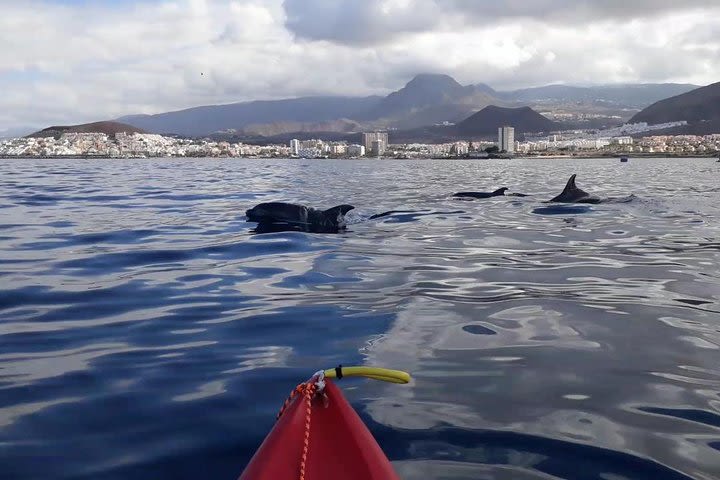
{"points": [[496, 193], [472, 194], [281, 216], [277, 212]]}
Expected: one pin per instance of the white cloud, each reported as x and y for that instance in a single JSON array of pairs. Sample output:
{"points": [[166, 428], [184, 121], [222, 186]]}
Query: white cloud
{"points": [[70, 63]]}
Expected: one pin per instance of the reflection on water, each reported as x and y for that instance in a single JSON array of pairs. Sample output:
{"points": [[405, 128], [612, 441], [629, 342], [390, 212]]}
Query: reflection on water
{"points": [[147, 332]]}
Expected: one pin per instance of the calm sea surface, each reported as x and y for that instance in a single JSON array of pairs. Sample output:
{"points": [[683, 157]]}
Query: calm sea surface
{"points": [[147, 333]]}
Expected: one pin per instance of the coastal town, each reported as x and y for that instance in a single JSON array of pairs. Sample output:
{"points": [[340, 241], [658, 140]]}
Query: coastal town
{"points": [[636, 140]]}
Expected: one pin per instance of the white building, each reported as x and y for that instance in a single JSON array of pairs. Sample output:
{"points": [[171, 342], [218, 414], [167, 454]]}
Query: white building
{"points": [[295, 146], [338, 149], [622, 141], [356, 150], [311, 152], [460, 148], [506, 139], [313, 143]]}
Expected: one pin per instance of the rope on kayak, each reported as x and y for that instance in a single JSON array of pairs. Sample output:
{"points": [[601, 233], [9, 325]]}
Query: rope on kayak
{"points": [[307, 390]]}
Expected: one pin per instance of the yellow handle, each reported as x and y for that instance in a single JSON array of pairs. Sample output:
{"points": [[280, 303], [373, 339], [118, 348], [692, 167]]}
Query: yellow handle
{"points": [[376, 373]]}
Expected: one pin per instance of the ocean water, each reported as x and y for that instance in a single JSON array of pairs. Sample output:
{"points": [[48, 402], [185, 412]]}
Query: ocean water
{"points": [[146, 332]]}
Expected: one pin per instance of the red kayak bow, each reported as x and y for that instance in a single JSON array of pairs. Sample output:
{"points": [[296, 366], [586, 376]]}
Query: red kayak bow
{"points": [[318, 436]]}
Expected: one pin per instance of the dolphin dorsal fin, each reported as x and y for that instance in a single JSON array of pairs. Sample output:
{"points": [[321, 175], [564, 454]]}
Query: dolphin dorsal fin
{"points": [[570, 185], [500, 191], [571, 193], [338, 211]]}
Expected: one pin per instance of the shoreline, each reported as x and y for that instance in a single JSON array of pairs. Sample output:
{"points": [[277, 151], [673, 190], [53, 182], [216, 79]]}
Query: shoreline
{"points": [[522, 157]]}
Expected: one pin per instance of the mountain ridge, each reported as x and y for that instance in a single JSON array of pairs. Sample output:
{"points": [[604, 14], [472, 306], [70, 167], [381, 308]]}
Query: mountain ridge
{"points": [[206, 119], [106, 127], [698, 105], [425, 100], [482, 125], [638, 95], [489, 119]]}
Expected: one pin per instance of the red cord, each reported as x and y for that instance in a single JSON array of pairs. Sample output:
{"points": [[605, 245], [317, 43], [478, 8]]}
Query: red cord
{"points": [[307, 390]]}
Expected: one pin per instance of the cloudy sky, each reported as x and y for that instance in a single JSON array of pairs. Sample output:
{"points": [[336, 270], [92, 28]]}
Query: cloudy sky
{"points": [[71, 61]]}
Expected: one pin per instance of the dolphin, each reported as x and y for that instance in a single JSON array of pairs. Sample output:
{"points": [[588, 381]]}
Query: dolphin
{"points": [[496, 193], [410, 215], [573, 194], [290, 216]]}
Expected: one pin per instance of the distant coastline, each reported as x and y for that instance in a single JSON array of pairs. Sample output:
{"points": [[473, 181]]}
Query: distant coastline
{"points": [[518, 157], [634, 155]]}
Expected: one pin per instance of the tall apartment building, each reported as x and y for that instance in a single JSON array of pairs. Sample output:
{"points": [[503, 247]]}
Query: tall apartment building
{"points": [[295, 146], [506, 139], [380, 137]]}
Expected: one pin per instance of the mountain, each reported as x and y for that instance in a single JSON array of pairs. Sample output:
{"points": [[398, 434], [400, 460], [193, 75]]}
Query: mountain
{"points": [[486, 89], [435, 114], [200, 121], [426, 100], [483, 124], [108, 128], [637, 96], [422, 91], [489, 119], [696, 106]]}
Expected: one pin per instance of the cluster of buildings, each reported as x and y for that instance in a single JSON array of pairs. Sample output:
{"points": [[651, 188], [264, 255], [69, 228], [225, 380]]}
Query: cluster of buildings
{"points": [[315, 148], [577, 117], [373, 144], [629, 129], [436, 150], [621, 140], [558, 144], [680, 144], [615, 141], [133, 145]]}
